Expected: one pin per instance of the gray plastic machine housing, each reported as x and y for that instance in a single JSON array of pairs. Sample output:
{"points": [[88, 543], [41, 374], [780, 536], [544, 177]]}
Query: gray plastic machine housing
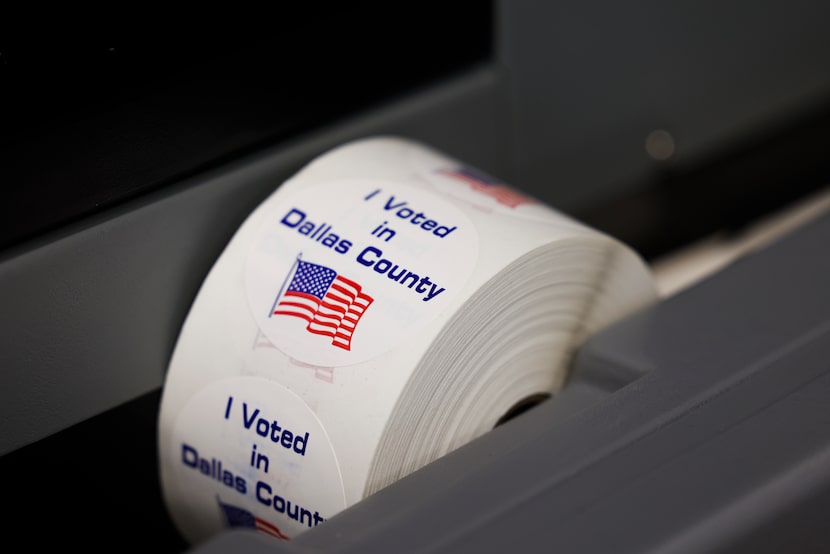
{"points": [[701, 424]]}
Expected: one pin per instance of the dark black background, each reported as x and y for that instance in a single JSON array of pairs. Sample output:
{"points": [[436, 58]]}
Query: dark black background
{"points": [[85, 128]]}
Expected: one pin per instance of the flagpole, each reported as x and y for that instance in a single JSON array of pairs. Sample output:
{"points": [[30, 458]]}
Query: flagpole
{"points": [[284, 282]]}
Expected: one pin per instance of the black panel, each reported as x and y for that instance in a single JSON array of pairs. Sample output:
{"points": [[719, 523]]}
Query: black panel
{"points": [[83, 128], [94, 485]]}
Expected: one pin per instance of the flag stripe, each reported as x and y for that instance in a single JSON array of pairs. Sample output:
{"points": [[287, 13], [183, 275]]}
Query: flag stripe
{"points": [[294, 314], [346, 292], [333, 307], [294, 305], [322, 328], [265, 527], [349, 282], [327, 319]]}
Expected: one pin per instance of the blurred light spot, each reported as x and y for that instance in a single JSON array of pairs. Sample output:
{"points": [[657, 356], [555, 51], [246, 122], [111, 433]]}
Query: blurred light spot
{"points": [[660, 144]]}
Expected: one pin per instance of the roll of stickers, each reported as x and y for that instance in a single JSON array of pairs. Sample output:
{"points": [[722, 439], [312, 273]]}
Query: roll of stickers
{"points": [[381, 308]]}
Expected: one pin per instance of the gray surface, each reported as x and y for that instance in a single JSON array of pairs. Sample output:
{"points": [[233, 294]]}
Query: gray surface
{"points": [[724, 435], [91, 315], [590, 80]]}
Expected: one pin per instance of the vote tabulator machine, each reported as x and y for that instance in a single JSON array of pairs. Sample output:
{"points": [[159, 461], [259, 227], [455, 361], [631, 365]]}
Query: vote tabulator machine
{"points": [[696, 425]]}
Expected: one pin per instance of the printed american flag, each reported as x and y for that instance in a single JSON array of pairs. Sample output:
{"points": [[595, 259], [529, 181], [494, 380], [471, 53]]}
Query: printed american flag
{"points": [[240, 517], [330, 303], [487, 185]]}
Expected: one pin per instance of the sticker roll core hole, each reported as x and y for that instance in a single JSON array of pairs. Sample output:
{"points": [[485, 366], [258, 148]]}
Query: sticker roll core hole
{"points": [[523, 405]]}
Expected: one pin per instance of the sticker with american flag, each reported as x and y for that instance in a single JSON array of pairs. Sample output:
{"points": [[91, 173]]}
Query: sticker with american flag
{"points": [[240, 517], [483, 183], [330, 303]]}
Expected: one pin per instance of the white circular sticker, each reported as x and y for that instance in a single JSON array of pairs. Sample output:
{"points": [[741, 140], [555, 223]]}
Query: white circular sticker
{"points": [[249, 453], [343, 271]]}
